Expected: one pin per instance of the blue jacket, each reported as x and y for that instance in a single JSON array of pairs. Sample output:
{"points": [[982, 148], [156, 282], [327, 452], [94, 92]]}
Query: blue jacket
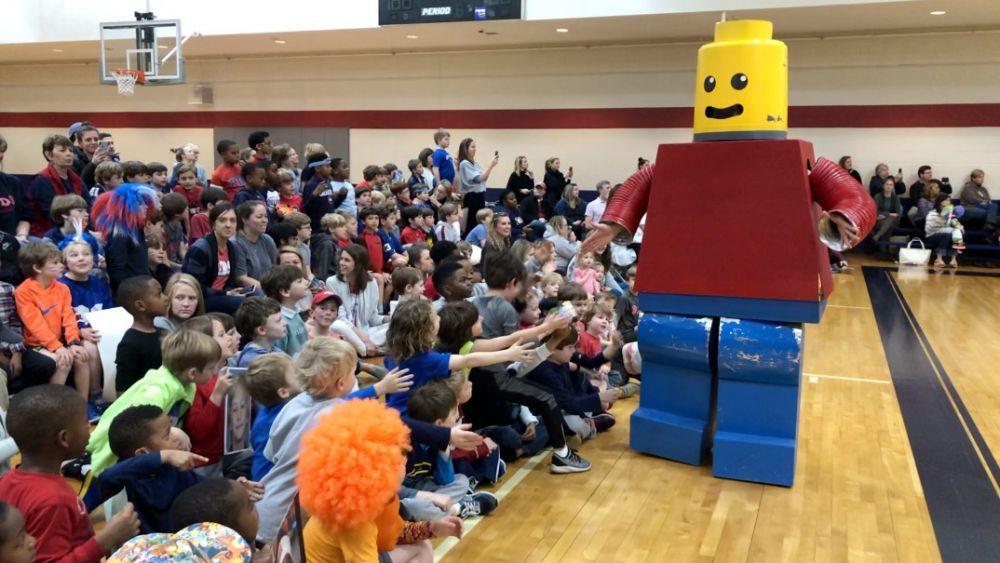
{"points": [[390, 244], [151, 486]]}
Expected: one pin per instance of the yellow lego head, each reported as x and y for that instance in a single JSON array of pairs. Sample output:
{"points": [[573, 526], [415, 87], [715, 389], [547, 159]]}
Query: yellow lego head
{"points": [[742, 88]]}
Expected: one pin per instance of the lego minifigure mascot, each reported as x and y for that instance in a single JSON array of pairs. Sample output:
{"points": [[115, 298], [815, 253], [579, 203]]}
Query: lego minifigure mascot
{"points": [[725, 294]]}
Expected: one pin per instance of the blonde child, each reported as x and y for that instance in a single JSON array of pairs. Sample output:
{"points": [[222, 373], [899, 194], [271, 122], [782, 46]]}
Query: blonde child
{"points": [[89, 293], [324, 371]]}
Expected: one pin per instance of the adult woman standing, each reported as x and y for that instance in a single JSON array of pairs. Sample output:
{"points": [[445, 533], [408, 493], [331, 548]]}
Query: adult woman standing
{"points": [[566, 245], [189, 154], [288, 160], [572, 208], [497, 237], [215, 262], [257, 248], [360, 298], [555, 181], [57, 178], [521, 179], [473, 179]]}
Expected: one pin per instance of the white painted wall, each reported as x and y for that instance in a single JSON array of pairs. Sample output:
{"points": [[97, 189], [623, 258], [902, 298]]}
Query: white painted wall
{"points": [[927, 69]]}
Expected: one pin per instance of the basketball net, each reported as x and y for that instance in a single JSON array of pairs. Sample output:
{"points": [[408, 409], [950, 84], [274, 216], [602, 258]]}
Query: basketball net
{"points": [[127, 79]]}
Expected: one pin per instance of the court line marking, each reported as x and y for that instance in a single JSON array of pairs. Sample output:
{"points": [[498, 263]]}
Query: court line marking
{"points": [[954, 399], [848, 307], [444, 547], [816, 376]]}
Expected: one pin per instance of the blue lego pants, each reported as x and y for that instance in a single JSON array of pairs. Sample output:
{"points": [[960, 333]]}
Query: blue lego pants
{"points": [[720, 385]]}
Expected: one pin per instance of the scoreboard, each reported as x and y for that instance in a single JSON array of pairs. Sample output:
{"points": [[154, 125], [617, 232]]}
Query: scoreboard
{"points": [[395, 12]]}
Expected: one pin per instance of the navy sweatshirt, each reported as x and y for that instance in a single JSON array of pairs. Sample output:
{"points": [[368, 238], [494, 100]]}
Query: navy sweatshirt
{"points": [[573, 391], [151, 486]]}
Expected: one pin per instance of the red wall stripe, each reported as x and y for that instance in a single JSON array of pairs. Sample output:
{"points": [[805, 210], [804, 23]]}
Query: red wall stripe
{"points": [[889, 116]]}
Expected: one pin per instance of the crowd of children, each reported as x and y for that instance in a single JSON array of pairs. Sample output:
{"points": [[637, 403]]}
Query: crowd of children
{"points": [[269, 285]]}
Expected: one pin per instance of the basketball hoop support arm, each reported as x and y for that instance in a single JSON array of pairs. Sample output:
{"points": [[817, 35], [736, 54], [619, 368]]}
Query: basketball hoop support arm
{"points": [[174, 50]]}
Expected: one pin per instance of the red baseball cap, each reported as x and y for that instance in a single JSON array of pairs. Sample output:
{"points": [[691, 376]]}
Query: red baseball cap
{"points": [[322, 296]]}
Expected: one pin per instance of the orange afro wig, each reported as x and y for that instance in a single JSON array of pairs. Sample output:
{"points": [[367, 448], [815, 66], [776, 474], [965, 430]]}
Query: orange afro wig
{"points": [[351, 463]]}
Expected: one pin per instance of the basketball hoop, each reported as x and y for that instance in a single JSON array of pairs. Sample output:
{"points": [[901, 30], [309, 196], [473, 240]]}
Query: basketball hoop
{"points": [[127, 78]]}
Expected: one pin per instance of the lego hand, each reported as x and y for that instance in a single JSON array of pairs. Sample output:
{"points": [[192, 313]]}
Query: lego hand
{"points": [[254, 489], [180, 459], [447, 526], [122, 526], [396, 381], [600, 237], [464, 439], [848, 232]]}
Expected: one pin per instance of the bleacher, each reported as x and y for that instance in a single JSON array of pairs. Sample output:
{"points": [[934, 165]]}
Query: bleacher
{"points": [[976, 238]]}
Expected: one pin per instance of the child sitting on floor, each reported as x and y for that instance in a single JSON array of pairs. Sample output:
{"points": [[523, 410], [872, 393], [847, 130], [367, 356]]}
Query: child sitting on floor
{"points": [[271, 382], [348, 476], [259, 320], [139, 349], [432, 470], [49, 423]]}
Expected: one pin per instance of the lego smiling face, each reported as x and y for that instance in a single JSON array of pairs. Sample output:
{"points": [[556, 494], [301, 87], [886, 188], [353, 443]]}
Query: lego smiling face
{"points": [[742, 84]]}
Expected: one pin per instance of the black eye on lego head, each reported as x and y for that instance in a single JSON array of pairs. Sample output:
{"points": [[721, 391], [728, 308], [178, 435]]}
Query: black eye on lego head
{"points": [[709, 83], [739, 81]]}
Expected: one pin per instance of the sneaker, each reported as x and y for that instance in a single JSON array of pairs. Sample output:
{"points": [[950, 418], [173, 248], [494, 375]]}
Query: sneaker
{"points": [[604, 421], [629, 389], [479, 504], [572, 463], [77, 468], [93, 412], [473, 483]]}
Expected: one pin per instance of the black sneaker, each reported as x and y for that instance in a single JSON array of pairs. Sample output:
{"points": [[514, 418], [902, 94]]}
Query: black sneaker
{"points": [[479, 504], [473, 483], [77, 468], [603, 421], [572, 463]]}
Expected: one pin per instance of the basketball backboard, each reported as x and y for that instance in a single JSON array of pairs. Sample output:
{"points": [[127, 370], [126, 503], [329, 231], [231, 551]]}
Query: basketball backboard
{"points": [[152, 46]]}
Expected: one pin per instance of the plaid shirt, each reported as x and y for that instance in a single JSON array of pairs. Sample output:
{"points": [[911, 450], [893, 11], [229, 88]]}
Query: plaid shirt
{"points": [[9, 318]]}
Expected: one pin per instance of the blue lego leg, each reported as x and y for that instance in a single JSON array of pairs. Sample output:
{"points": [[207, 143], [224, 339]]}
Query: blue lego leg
{"points": [[675, 406], [760, 364]]}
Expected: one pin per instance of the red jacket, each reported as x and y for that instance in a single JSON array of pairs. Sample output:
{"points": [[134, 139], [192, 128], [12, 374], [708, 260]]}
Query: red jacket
{"points": [[205, 423]]}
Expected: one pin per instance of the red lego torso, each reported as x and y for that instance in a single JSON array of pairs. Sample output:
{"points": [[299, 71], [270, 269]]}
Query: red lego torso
{"points": [[734, 219]]}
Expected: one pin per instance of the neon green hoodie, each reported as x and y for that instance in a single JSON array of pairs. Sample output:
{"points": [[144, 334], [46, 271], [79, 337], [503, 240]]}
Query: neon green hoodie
{"points": [[159, 388]]}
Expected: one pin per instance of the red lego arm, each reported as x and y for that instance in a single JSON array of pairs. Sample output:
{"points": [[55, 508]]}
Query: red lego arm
{"points": [[836, 191], [630, 201]]}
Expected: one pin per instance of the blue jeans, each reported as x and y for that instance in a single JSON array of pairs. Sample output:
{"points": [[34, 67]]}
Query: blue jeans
{"points": [[982, 212], [941, 243]]}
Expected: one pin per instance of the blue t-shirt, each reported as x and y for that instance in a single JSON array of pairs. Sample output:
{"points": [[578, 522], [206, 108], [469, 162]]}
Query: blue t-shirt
{"points": [[91, 295], [261, 429], [444, 163], [477, 235], [424, 367]]}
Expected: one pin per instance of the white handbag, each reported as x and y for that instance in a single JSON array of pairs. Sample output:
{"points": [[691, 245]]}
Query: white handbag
{"points": [[912, 256]]}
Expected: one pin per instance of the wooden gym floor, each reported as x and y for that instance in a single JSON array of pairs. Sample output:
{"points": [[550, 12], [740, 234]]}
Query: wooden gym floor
{"points": [[899, 422]]}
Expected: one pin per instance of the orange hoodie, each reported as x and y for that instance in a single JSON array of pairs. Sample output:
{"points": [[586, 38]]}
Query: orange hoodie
{"points": [[47, 314]]}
